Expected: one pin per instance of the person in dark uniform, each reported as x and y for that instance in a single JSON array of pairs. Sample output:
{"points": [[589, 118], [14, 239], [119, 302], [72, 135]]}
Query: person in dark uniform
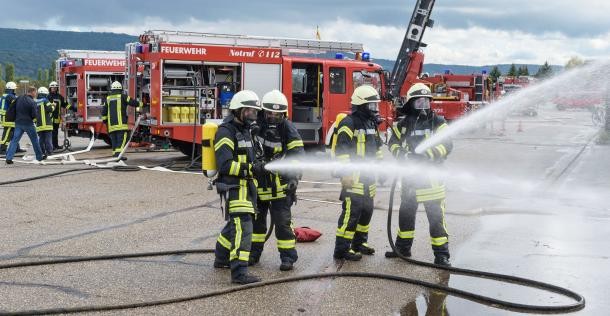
{"points": [[420, 123], [114, 114], [236, 165], [357, 141], [279, 139]]}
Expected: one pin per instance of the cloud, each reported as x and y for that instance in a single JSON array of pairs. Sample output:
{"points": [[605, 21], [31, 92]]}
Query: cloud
{"points": [[472, 32]]}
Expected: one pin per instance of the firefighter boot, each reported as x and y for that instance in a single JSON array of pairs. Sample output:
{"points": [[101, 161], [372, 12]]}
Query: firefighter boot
{"points": [[350, 255], [286, 265], [392, 254], [219, 264], [365, 249], [245, 279], [442, 260]]}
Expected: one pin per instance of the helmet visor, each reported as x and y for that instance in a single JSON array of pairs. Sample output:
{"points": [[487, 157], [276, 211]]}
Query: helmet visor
{"points": [[421, 104], [274, 117], [373, 107]]}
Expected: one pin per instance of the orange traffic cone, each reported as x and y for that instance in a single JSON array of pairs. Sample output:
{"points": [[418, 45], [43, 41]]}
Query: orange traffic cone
{"points": [[519, 127]]}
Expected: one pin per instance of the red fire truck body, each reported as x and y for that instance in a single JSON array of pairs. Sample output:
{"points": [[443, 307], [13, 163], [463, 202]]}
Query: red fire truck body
{"points": [[185, 79], [84, 79]]}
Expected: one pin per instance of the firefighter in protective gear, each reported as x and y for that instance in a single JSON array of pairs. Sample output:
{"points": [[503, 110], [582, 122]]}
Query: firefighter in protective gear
{"points": [[44, 121], [235, 163], [58, 112], [357, 141], [8, 124], [279, 139], [419, 123], [114, 114]]}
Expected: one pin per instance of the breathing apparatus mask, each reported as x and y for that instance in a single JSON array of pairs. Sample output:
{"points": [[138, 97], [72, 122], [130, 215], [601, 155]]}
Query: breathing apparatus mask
{"points": [[422, 106]]}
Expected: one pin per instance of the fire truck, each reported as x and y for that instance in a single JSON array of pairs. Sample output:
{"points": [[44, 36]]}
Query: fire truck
{"points": [[84, 78], [185, 79], [463, 92]]}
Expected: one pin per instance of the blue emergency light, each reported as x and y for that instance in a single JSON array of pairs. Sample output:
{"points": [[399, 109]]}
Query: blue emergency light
{"points": [[447, 72], [484, 72], [339, 56], [139, 48], [366, 56]]}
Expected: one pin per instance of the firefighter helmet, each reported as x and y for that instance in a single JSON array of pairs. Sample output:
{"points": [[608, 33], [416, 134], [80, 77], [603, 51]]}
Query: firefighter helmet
{"points": [[53, 84], [116, 86], [418, 90], [244, 99], [365, 94], [43, 90], [275, 101], [11, 85]]}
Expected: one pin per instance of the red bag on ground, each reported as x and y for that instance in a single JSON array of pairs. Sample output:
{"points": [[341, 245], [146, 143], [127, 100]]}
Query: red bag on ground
{"points": [[306, 234]]}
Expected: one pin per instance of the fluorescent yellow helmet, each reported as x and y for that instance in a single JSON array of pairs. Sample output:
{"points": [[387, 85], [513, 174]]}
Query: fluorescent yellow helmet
{"points": [[275, 101], [244, 99], [365, 94]]}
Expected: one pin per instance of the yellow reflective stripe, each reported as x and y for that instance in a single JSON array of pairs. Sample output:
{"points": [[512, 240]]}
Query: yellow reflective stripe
{"points": [[286, 244], [224, 141], [235, 166], [441, 127], [348, 209], [343, 158], [363, 228], [277, 150], [238, 233], [406, 234], [430, 153], [396, 132], [258, 237], [432, 197], [244, 255], [224, 242], [441, 150], [356, 191], [379, 154], [345, 234], [240, 203], [293, 144], [394, 148], [438, 241], [432, 190], [347, 131], [360, 145]]}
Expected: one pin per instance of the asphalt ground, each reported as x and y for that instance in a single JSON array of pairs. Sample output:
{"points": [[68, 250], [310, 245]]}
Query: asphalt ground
{"points": [[493, 226]]}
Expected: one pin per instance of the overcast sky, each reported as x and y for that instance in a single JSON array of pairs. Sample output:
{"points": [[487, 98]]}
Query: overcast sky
{"points": [[470, 32]]}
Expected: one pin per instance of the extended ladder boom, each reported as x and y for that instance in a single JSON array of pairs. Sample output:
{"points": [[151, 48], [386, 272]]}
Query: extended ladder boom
{"points": [[411, 43]]}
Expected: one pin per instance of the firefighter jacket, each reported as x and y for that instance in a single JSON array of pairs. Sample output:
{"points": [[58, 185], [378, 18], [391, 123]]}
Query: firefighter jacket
{"points": [[281, 141], [235, 154], [409, 132], [60, 103], [5, 102], [114, 112], [358, 141], [44, 119]]}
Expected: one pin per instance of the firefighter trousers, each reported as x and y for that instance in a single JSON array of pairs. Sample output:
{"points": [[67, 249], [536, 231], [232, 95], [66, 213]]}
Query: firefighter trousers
{"points": [[7, 135], [281, 216], [234, 242], [435, 210], [354, 222], [118, 139], [55, 135]]}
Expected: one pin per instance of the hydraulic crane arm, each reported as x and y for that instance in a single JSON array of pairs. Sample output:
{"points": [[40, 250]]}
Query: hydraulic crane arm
{"points": [[410, 45]]}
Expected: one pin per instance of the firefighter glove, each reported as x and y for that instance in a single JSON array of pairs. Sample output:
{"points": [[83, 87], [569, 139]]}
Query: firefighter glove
{"points": [[347, 181], [291, 186], [258, 168]]}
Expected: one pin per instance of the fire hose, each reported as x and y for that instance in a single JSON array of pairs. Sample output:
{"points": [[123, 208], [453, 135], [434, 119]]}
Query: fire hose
{"points": [[579, 301]]}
